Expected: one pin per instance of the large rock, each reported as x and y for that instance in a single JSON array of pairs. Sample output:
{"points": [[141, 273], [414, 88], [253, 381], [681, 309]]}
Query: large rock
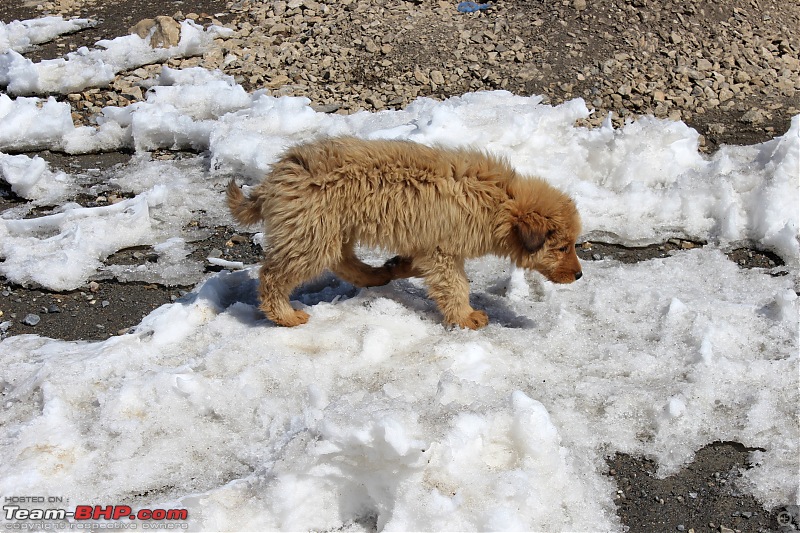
{"points": [[164, 32]]}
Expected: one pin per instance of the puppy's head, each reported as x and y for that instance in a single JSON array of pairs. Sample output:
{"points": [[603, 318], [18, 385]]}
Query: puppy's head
{"points": [[544, 228]]}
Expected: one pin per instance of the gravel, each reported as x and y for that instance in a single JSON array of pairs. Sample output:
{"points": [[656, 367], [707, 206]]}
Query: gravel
{"points": [[31, 319], [729, 68]]}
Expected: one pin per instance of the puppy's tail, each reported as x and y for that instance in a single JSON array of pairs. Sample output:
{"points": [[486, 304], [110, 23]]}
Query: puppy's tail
{"points": [[245, 210]]}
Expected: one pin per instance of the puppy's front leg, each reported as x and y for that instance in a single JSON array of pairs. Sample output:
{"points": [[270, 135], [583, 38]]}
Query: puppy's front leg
{"points": [[448, 286]]}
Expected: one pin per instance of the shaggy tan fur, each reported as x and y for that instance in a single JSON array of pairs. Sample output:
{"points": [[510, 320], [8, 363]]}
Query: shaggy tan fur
{"points": [[433, 207]]}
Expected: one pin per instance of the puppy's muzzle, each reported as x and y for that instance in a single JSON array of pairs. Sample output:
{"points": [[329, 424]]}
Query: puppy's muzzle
{"points": [[578, 275]]}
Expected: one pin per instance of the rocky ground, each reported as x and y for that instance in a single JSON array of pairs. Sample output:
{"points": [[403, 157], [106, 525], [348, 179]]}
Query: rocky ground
{"points": [[730, 69]]}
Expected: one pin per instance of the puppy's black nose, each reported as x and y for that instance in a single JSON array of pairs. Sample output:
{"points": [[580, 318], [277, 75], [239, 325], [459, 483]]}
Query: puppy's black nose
{"points": [[578, 275]]}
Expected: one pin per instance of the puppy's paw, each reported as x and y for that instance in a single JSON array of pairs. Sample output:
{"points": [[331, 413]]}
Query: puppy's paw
{"points": [[401, 267], [475, 320], [296, 319]]}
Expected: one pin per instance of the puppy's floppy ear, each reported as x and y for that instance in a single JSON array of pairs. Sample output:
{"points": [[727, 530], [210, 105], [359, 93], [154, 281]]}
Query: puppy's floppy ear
{"points": [[532, 230]]}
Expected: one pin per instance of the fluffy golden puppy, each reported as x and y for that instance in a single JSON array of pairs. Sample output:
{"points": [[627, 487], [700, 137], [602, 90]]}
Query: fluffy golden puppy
{"points": [[433, 207]]}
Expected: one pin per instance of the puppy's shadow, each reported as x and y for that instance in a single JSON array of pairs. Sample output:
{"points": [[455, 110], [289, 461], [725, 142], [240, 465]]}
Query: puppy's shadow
{"points": [[410, 294], [243, 304], [499, 311], [240, 298], [326, 288], [329, 288]]}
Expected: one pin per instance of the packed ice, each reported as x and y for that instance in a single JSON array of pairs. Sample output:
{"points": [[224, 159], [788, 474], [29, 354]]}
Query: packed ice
{"points": [[21, 36], [374, 414], [95, 67]]}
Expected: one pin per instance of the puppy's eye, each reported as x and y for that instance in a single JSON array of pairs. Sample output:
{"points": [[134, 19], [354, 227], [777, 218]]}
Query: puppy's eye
{"points": [[564, 249]]}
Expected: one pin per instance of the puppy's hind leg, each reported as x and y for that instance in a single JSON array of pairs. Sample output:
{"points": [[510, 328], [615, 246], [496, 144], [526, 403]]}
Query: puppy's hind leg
{"points": [[350, 268], [402, 267], [277, 280], [449, 288]]}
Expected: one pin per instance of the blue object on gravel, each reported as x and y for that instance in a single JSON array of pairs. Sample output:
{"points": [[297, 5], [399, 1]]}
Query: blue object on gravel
{"points": [[471, 7]]}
